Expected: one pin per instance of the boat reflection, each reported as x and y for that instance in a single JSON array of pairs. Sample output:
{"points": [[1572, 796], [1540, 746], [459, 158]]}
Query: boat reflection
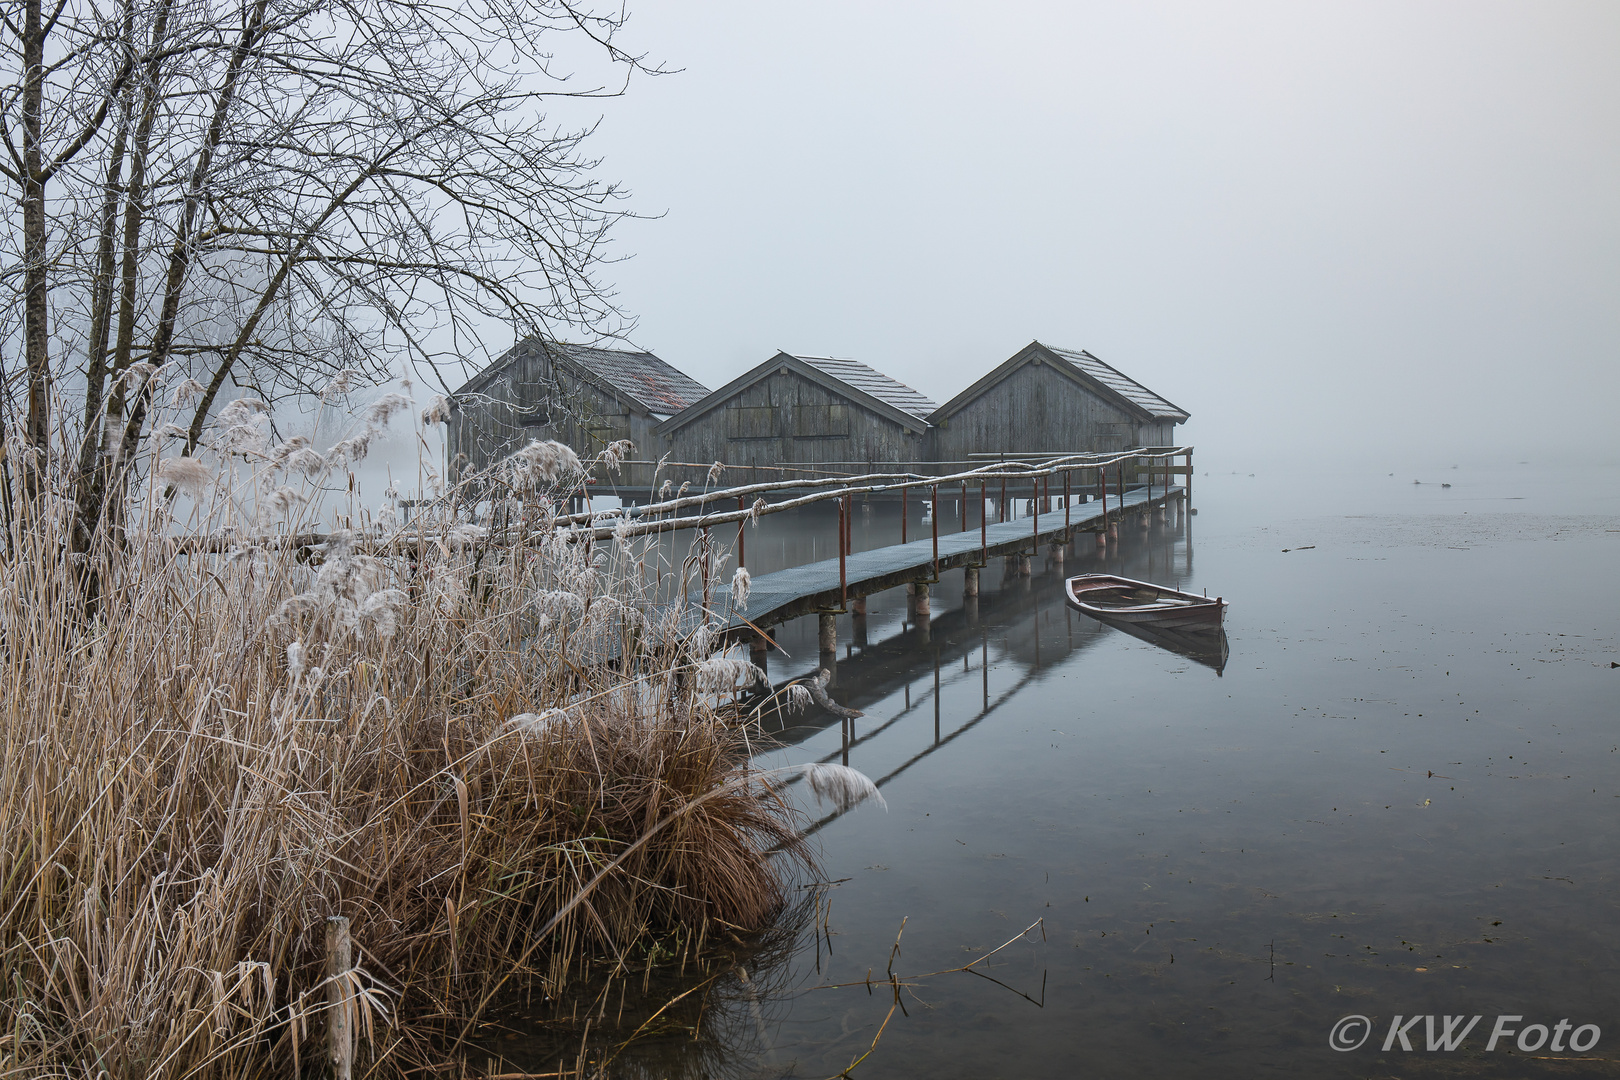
{"points": [[1207, 648]]}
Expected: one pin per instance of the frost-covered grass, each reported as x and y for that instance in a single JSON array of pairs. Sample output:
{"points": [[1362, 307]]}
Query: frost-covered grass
{"points": [[444, 732]]}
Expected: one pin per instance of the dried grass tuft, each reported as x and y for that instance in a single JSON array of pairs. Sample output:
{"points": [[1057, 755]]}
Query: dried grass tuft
{"points": [[440, 732]]}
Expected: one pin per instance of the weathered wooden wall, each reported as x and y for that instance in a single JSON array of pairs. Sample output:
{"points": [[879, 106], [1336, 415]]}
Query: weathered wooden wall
{"points": [[786, 419], [1035, 410], [531, 398]]}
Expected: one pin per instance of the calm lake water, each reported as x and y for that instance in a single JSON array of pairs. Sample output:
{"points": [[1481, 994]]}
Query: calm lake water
{"points": [[1399, 797]]}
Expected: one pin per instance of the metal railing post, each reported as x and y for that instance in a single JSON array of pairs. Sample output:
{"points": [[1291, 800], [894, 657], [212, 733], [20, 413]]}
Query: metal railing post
{"points": [[706, 555], [984, 528], [843, 583], [933, 516], [904, 491], [742, 550]]}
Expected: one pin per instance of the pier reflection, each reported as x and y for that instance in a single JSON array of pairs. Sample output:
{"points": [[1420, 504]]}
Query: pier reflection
{"points": [[1013, 622]]}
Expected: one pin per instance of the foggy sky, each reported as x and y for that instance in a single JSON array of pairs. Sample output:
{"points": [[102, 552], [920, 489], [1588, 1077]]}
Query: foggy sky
{"points": [[1387, 226]]}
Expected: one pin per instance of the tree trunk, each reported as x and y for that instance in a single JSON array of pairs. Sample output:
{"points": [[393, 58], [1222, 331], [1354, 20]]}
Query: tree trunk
{"points": [[36, 279]]}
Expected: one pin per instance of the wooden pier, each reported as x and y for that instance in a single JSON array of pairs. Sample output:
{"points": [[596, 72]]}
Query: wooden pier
{"points": [[830, 586], [1069, 495]]}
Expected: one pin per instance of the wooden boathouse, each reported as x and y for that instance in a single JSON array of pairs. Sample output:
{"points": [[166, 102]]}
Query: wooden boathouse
{"points": [[583, 396], [809, 412], [1045, 400]]}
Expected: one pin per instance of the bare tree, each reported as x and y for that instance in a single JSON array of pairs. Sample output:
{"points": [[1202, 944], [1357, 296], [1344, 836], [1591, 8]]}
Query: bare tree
{"points": [[266, 193]]}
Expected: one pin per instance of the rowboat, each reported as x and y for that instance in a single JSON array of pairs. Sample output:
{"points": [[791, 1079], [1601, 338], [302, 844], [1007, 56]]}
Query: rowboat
{"points": [[1125, 601]]}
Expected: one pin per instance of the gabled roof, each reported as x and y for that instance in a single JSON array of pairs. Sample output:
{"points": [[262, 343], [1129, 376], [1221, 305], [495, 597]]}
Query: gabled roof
{"points": [[1105, 381], [874, 382], [856, 381], [640, 376]]}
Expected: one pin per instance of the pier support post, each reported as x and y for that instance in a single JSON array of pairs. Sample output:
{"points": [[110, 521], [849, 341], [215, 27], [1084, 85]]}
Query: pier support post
{"points": [[857, 607], [1113, 529], [857, 620], [1055, 555], [1021, 566], [970, 582], [1102, 537], [758, 650], [919, 610], [827, 637]]}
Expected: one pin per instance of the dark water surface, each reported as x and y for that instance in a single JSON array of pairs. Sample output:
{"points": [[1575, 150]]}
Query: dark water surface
{"points": [[1399, 797]]}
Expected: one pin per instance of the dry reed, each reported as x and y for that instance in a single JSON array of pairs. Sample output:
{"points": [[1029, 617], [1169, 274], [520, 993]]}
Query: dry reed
{"points": [[439, 736]]}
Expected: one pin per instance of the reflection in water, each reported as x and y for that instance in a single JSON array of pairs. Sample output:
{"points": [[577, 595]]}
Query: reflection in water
{"points": [[905, 650], [1208, 648], [685, 1011]]}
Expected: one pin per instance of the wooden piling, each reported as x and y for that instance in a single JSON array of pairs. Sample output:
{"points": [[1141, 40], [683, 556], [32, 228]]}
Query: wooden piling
{"points": [[340, 1016]]}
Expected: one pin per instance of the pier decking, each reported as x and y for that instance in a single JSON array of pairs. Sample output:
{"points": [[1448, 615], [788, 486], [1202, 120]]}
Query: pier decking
{"points": [[816, 587]]}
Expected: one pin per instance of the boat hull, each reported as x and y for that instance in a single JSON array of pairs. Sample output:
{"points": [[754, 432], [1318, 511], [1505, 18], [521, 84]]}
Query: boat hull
{"points": [[1126, 601]]}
